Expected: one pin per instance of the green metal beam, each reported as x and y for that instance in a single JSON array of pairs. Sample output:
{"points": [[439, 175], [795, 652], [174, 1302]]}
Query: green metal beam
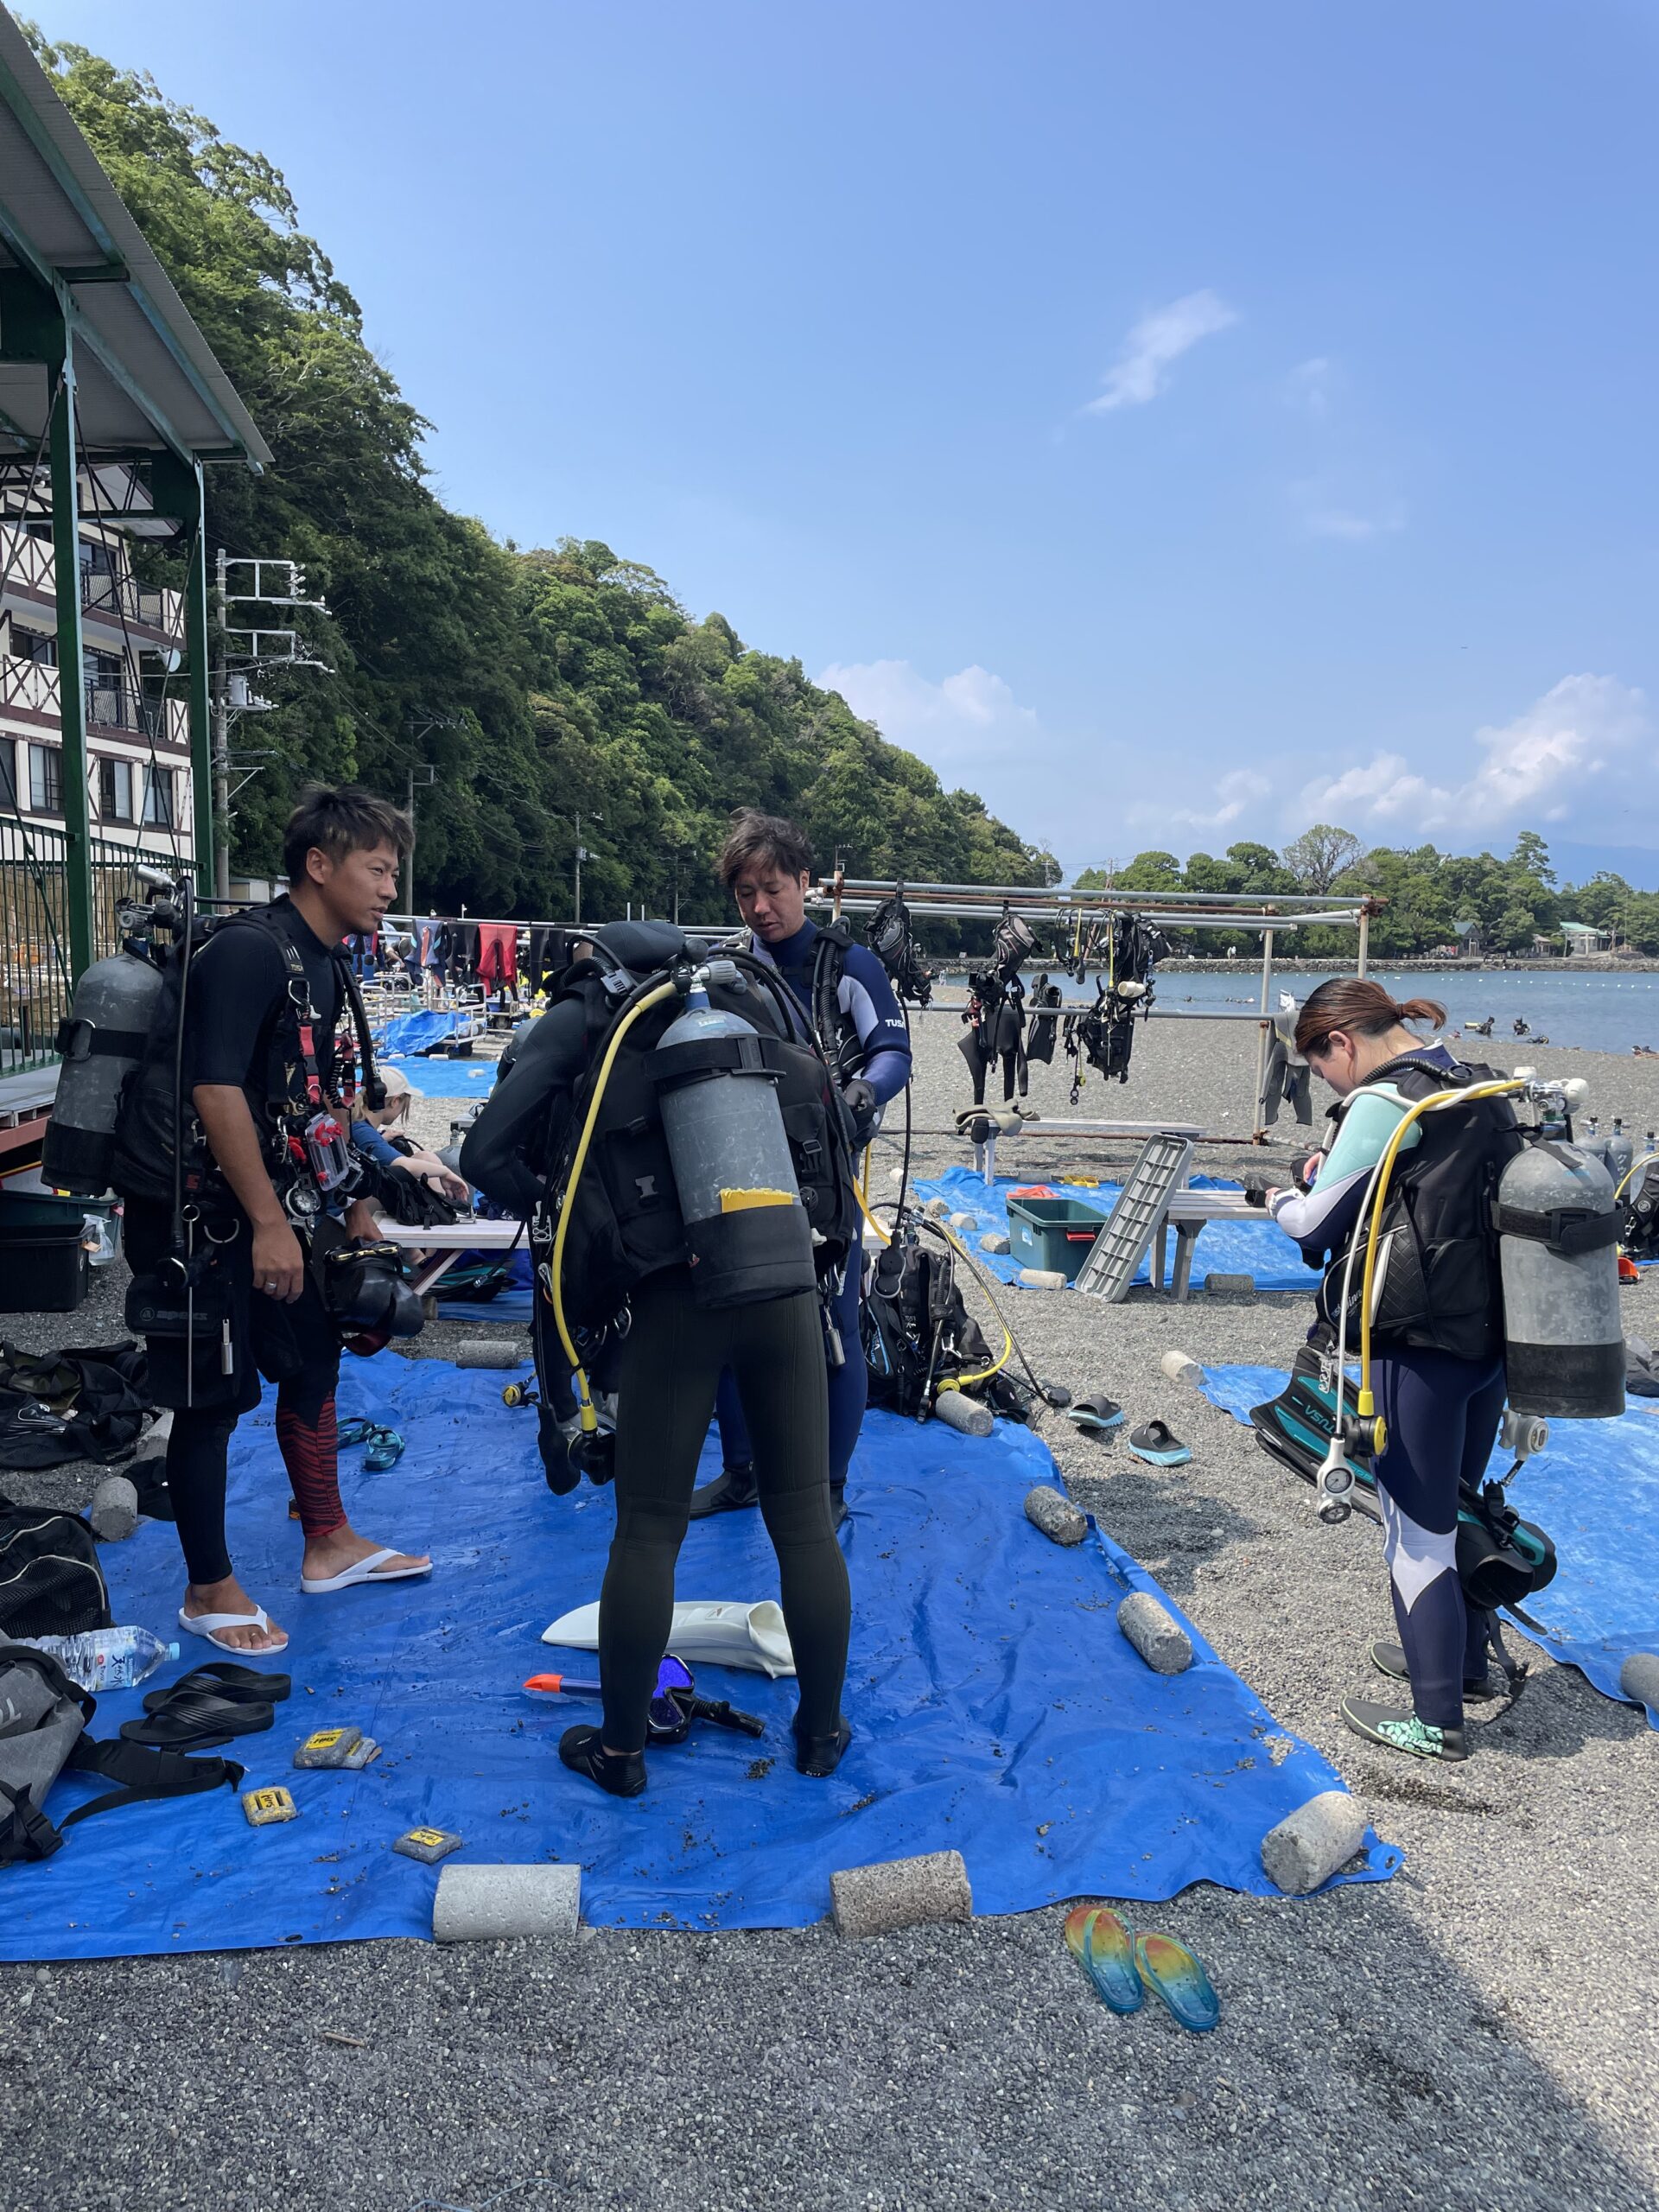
{"points": [[72, 680], [23, 109], [109, 359], [175, 489]]}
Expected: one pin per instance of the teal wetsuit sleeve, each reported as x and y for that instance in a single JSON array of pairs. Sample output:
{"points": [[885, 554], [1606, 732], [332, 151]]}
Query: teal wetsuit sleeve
{"points": [[1321, 1219]]}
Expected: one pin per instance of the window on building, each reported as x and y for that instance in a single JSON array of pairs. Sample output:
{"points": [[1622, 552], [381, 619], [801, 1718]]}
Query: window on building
{"points": [[46, 779], [115, 789], [95, 556], [33, 644], [158, 796], [8, 772]]}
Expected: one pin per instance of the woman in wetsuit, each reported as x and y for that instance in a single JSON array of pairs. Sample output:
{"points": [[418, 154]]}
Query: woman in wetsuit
{"points": [[1437, 1363]]}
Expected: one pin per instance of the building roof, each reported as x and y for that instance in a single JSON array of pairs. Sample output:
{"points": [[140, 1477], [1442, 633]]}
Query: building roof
{"points": [[146, 379]]}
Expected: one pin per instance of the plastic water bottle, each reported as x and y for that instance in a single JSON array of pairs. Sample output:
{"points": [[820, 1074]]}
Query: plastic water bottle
{"points": [[105, 1658]]}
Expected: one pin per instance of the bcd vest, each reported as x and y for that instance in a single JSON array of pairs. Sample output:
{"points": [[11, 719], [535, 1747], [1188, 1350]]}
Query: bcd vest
{"points": [[625, 1215], [150, 1117], [1437, 1260]]}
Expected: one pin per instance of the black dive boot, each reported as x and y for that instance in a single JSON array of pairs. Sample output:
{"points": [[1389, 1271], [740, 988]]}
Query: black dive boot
{"points": [[820, 1755], [732, 1488], [1390, 1659], [1403, 1731], [622, 1773]]}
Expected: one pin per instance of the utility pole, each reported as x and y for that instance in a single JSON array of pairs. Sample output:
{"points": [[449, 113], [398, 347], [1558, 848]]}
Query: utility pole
{"points": [[256, 648], [221, 712], [580, 856]]}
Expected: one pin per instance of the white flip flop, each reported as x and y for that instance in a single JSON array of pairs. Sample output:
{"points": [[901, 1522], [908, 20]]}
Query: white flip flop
{"points": [[362, 1570], [720, 1632], [208, 1625]]}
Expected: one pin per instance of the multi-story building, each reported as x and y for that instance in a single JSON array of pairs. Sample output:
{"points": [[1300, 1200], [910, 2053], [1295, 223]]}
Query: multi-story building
{"points": [[131, 637]]}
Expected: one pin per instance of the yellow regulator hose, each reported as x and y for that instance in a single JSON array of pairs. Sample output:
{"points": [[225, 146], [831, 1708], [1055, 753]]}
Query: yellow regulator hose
{"points": [[589, 1418], [1367, 1403]]}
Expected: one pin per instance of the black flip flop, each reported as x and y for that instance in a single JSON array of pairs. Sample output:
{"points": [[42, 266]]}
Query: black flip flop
{"points": [[223, 1678], [1096, 1414], [1158, 1445], [196, 1721]]}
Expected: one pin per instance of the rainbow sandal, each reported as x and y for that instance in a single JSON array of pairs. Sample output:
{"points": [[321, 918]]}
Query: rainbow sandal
{"points": [[1170, 1970], [1099, 1941]]}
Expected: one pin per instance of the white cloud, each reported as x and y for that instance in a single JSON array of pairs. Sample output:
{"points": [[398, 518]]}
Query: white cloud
{"points": [[972, 730], [1308, 386], [1324, 512], [1536, 769], [1237, 792], [972, 715], [1345, 522], [1141, 370]]}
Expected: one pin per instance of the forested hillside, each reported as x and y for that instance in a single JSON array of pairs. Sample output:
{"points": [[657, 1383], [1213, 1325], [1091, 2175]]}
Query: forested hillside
{"points": [[536, 684]]}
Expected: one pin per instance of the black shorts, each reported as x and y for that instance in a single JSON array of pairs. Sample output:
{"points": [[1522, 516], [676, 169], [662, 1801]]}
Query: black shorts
{"points": [[281, 1343]]}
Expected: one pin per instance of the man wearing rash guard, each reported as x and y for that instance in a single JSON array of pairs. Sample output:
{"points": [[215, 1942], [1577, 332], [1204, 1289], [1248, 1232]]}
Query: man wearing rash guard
{"points": [[767, 864]]}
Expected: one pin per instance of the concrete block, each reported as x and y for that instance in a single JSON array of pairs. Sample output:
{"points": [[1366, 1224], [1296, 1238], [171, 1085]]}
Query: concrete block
{"points": [[901, 1893], [1053, 1512], [491, 1351], [966, 1415], [995, 1240], [1181, 1367], [1307, 1847], [937, 1209], [1638, 1678], [964, 1223], [1221, 1286], [481, 1905], [1042, 1279], [114, 1510], [1155, 1633]]}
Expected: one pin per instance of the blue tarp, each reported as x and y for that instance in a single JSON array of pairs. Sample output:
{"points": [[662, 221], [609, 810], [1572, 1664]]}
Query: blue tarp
{"points": [[1243, 1248], [1595, 1490], [418, 1031], [998, 1709], [449, 1078]]}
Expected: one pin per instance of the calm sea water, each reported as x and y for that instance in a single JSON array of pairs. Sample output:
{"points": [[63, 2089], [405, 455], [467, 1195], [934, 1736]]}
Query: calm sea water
{"points": [[1607, 1013], [1603, 1012]]}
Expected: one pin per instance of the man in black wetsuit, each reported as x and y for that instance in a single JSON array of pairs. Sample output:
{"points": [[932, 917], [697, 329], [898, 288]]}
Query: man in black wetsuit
{"points": [[247, 1039]]}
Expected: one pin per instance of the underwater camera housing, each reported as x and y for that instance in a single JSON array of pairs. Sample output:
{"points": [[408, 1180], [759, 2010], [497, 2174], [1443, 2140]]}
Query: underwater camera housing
{"points": [[369, 1298]]}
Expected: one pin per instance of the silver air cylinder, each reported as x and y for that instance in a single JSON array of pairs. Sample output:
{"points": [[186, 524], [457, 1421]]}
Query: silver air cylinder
{"points": [[1558, 1228], [101, 1042], [746, 1228]]}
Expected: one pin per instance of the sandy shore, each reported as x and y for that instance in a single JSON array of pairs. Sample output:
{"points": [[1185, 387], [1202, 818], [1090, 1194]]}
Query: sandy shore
{"points": [[1481, 2033]]}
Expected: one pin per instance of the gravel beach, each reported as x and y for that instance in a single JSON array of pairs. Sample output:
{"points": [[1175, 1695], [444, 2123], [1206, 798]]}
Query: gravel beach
{"points": [[1481, 2032]]}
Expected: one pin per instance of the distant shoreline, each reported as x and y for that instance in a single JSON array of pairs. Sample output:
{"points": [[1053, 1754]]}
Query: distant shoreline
{"points": [[1248, 963]]}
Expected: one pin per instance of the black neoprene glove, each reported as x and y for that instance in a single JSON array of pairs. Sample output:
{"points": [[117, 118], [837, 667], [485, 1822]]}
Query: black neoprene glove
{"points": [[860, 1099]]}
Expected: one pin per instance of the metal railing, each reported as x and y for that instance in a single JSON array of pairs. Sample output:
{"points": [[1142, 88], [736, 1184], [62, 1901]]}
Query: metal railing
{"points": [[34, 986], [111, 703], [120, 597], [29, 563]]}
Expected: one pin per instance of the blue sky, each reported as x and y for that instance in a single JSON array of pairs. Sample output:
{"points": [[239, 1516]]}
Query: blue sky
{"points": [[1177, 423]]}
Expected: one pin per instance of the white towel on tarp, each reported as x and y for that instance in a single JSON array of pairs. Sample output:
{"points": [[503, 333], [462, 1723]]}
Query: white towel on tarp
{"points": [[721, 1632]]}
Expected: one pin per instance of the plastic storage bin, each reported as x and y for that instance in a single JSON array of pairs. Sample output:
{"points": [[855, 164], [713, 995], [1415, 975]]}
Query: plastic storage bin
{"points": [[1054, 1233], [42, 1262]]}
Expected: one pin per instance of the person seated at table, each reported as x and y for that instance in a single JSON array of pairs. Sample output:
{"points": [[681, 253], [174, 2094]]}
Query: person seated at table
{"points": [[376, 1132]]}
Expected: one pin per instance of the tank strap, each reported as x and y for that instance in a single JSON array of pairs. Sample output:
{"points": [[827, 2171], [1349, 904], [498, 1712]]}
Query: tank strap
{"points": [[1569, 1231]]}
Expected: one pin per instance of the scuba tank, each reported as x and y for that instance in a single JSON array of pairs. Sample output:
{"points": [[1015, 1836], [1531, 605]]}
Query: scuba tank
{"points": [[1558, 1228], [1621, 1153], [102, 1040], [745, 1229]]}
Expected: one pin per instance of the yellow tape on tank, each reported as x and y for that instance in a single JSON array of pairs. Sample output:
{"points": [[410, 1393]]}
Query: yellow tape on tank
{"points": [[742, 1201]]}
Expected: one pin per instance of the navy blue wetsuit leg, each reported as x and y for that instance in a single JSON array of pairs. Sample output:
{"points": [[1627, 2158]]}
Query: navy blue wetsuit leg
{"points": [[850, 1388], [1442, 1415]]}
